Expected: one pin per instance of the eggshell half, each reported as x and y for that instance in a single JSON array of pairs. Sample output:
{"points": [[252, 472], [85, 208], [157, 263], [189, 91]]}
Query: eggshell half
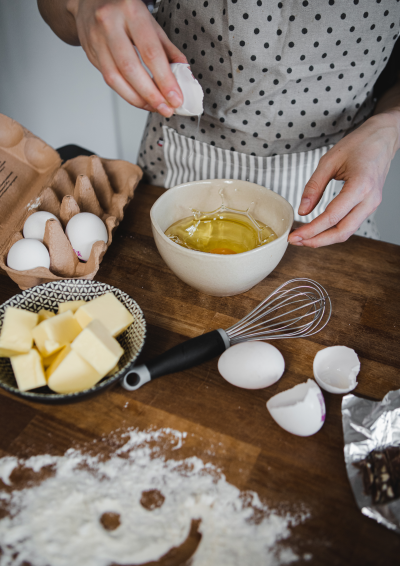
{"points": [[28, 254], [191, 89], [251, 365], [336, 369], [35, 224], [300, 410]]}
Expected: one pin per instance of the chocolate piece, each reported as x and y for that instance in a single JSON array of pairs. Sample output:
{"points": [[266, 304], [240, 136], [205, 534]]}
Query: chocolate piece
{"points": [[381, 474]]}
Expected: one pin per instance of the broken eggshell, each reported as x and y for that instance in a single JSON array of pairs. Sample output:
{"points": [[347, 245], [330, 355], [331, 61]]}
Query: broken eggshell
{"points": [[191, 89], [336, 369], [300, 410]]}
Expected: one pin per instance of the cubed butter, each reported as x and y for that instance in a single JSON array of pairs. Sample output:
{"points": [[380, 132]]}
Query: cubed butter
{"points": [[71, 373], [48, 360], [107, 308], [16, 333], [70, 306], [28, 370], [44, 315], [113, 370], [96, 345], [52, 334], [56, 360]]}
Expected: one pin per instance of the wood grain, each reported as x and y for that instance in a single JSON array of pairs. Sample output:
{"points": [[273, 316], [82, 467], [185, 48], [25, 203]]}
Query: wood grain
{"points": [[228, 426]]}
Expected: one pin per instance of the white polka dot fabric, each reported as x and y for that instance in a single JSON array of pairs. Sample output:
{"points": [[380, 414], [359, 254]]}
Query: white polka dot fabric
{"points": [[278, 77]]}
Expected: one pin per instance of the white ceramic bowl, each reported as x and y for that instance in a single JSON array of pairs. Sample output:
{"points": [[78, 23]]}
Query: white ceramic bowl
{"points": [[215, 274]]}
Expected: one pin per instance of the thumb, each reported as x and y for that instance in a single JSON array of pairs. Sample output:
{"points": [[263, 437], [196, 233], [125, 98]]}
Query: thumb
{"points": [[316, 186]]}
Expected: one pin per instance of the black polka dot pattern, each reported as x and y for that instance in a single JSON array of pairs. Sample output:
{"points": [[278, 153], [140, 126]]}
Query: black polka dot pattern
{"points": [[278, 80]]}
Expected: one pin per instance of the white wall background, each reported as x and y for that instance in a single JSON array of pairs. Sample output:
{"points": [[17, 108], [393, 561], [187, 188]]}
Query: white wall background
{"points": [[53, 90]]}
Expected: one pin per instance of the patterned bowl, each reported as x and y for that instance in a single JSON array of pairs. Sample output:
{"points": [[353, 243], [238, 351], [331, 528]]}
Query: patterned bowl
{"points": [[48, 296]]}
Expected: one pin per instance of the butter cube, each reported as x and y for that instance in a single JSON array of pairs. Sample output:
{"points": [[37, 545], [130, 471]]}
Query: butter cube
{"points": [[96, 345], [44, 315], [28, 370], [70, 306], [69, 373], [107, 308], [113, 370], [48, 360], [16, 333], [52, 334]]}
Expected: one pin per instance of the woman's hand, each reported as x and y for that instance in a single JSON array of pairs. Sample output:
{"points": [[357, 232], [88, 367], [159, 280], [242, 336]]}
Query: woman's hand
{"points": [[362, 161], [108, 31]]}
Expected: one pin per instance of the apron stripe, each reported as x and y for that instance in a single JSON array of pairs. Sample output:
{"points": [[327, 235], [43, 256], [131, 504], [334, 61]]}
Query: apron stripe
{"points": [[167, 160], [286, 174], [260, 170], [198, 160]]}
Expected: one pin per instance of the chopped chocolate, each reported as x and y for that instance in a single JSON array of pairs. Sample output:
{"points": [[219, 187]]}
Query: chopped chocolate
{"points": [[381, 474]]}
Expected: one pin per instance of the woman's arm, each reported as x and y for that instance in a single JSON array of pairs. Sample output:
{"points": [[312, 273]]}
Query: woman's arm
{"points": [[362, 160], [56, 15], [108, 30]]}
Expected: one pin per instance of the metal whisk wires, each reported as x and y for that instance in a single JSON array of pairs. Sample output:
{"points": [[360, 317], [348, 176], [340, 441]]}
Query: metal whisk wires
{"points": [[298, 308]]}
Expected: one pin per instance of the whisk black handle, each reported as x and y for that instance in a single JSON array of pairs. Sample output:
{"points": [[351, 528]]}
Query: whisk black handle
{"points": [[184, 356]]}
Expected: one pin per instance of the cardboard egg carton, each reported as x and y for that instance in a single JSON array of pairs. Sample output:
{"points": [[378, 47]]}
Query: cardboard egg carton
{"points": [[32, 179]]}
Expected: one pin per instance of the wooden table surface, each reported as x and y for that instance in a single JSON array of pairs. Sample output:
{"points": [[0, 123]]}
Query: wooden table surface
{"points": [[363, 279]]}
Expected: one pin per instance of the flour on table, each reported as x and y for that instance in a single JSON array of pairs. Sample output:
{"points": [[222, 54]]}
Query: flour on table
{"points": [[59, 521]]}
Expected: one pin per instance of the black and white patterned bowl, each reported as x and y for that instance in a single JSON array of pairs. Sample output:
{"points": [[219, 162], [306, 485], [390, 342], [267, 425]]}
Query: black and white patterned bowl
{"points": [[47, 296]]}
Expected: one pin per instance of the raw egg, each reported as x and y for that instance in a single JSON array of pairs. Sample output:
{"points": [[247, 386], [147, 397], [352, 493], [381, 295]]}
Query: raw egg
{"points": [[28, 254], [336, 369], [251, 365], [83, 230], [191, 89], [300, 410], [35, 224]]}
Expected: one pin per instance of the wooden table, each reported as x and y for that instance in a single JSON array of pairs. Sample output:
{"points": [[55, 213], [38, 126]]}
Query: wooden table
{"points": [[363, 279]]}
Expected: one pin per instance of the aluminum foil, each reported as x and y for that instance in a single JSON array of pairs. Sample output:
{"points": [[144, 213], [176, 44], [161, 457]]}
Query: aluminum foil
{"points": [[368, 426]]}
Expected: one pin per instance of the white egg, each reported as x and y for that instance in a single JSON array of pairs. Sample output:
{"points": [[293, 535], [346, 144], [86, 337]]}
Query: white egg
{"points": [[83, 230], [300, 410], [28, 254], [251, 365], [336, 369], [35, 224], [191, 89]]}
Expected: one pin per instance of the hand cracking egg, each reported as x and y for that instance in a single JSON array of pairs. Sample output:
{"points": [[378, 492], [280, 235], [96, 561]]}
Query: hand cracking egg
{"points": [[252, 365], [191, 89], [83, 230]]}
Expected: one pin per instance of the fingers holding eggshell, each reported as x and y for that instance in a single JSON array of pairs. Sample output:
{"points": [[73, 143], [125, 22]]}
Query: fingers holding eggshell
{"points": [[193, 94], [300, 410], [116, 80], [251, 365], [154, 56]]}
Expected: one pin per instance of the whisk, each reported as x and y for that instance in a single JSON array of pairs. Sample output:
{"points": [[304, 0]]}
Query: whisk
{"points": [[298, 308]]}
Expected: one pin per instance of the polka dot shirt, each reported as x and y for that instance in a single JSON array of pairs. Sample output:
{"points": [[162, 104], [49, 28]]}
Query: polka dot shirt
{"points": [[280, 77]]}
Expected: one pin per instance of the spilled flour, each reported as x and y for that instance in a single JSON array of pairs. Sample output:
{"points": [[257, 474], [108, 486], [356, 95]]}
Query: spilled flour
{"points": [[61, 520]]}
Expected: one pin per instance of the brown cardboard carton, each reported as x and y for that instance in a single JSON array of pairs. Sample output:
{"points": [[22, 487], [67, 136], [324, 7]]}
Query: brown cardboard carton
{"points": [[32, 179]]}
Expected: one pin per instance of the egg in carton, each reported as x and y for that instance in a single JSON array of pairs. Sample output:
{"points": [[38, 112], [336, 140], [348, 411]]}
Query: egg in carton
{"points": [[32, 179]]}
